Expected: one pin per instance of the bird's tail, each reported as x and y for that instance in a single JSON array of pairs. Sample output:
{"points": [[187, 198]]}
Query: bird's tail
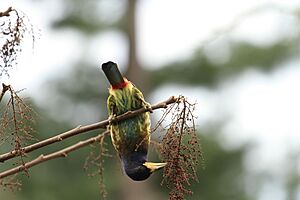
{"points": [[112, 73]]}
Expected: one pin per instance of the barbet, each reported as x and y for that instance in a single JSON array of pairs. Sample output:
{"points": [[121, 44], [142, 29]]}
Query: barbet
{"points": [[130, 137]]}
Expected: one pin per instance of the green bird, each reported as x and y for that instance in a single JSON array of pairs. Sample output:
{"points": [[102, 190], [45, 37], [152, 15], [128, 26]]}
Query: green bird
{"points": [[130, 137]]}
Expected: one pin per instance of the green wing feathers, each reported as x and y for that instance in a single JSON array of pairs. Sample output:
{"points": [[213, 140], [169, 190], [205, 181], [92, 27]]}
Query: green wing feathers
{"points": [[134, 133], [111, 105]]}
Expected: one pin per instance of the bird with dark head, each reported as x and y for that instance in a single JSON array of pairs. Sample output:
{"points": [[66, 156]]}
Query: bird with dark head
{"points": [[130, 137]]}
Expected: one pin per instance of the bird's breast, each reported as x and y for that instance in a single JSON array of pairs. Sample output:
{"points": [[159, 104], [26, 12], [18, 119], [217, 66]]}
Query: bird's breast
{"points": [[131, 135]]}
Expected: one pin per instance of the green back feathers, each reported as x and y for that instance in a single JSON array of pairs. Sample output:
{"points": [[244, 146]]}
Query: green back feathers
{"points": [[134, 133], [123, 100]]}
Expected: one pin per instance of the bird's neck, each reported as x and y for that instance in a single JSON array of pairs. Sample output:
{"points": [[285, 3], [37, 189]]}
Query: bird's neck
{"points": [[120, 85], [134, 159]]}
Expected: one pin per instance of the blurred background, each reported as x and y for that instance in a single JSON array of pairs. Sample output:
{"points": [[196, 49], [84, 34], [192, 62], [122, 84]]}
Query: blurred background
{"points": [[239, 60]]}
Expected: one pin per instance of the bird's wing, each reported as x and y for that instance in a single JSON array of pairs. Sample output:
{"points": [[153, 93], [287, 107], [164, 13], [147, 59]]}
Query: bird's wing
{"points": [[111, 105], [139, 96]]}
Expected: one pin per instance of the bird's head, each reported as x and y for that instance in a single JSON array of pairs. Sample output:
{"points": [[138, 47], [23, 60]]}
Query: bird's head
{"points": [[136, 166], [140, 172]]}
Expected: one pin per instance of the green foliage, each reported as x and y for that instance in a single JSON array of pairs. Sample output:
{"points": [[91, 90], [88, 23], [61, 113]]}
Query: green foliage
{"points": [[88, 16], [224, 173], [199, 70]]}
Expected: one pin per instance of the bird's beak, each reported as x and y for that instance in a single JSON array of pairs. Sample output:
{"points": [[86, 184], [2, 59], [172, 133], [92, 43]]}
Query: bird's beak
{"points": [[154, 166]]}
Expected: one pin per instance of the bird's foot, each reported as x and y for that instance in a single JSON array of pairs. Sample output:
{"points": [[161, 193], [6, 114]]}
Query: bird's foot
{"points": [[111, 118], [148, 107]]}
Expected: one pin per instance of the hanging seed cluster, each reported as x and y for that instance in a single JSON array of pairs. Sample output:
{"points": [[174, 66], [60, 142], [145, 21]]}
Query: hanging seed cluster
{"points": [[13, 27], [11, 183], [181, 150], [94, 164], [16, 122]]}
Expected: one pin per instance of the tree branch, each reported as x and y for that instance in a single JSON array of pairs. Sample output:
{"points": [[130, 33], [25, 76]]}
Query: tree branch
{"points": [[4, 89], [83, 129], [43, 158], [6, 13]]}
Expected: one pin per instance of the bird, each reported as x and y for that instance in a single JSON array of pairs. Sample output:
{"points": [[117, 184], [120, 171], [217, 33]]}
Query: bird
{"points": [[130, 137]]}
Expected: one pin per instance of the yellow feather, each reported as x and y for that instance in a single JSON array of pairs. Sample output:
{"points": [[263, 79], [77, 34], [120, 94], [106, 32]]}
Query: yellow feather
{"points": [[128, 135]]}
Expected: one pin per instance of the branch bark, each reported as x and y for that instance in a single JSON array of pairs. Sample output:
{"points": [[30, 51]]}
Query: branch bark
{"points": [[4, 89], [83, 129], [6, 13], [43, 158]]}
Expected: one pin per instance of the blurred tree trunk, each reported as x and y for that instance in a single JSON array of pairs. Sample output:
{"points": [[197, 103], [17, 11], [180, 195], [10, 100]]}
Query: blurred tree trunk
{"points": [[134, 70], [135, 73]]}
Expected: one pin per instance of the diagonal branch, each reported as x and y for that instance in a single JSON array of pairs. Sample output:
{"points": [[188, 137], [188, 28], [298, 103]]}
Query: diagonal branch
{"points": [[83, 129], [5, 88], [61, 153]]}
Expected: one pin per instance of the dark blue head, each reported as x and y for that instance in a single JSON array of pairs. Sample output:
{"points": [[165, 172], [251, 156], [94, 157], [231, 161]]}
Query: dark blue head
{"points": [[138, 169], [139, 172], [133, 166]]}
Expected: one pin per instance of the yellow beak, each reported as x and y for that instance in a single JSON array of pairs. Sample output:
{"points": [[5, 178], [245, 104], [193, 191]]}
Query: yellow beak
{"points": [[154, 166]]}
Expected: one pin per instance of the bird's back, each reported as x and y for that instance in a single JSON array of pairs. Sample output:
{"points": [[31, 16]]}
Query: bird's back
{"points": [[131, 135]]}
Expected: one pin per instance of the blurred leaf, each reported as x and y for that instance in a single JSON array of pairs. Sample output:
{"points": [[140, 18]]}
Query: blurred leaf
{"points": [[199, 70]]}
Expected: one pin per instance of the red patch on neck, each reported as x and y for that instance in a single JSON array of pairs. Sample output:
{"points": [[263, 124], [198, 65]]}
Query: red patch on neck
{"points": [[120, 85]]}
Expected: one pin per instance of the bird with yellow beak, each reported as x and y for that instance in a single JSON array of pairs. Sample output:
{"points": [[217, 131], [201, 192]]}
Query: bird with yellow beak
{"points": [[130, 137]]}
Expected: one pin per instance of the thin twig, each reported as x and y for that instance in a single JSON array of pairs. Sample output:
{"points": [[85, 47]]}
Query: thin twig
{"points": [[43, 158], [16, 128], [183, 123], [83, 129]]}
